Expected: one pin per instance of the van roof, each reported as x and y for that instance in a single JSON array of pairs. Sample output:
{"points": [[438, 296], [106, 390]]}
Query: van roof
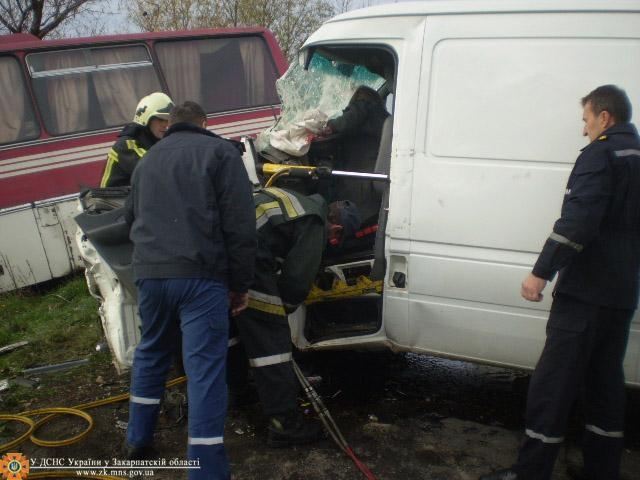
{"points": [[438, 7]]}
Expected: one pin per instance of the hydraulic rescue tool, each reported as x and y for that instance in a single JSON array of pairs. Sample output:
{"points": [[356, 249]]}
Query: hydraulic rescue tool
{"points": [[277, 170], [329, 423]]}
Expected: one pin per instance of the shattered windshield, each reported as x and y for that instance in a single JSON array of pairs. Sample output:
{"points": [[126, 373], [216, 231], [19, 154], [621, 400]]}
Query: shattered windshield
{"points": [[326, 86]]}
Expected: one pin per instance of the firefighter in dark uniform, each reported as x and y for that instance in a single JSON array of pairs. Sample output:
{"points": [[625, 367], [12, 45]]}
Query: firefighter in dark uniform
{"points": [[292, 230], [595, 247], [149, 125]]}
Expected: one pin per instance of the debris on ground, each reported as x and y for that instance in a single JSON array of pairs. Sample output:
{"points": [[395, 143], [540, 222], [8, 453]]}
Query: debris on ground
{"points": [[12, 347], [7, 383], [56, 367], [26, 382]]}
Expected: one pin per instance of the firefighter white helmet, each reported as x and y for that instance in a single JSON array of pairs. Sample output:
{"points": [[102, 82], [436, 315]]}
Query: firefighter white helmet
{"points": [[156, 104]]}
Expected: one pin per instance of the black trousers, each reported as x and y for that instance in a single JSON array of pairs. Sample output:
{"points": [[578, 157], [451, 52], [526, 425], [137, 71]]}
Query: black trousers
{"points": [[262, 341], [582, 356]]}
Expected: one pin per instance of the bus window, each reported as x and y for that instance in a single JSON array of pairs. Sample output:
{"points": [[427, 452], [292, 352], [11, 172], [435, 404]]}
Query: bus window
{"points": [[17, 119], [92, 88], [220, 74]]}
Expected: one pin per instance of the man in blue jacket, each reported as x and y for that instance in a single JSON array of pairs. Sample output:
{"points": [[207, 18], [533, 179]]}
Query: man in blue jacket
{"points": [[595, 247], [193, 229]]}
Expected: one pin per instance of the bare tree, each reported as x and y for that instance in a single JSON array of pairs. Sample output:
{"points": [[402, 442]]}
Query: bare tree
{"points": [[343, 5], [38, 17], [226, 13], [295, 20], [291, 20], [154, 15]]}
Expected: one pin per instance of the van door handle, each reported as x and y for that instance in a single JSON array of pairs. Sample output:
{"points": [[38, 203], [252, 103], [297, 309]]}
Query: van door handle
{"points": [[399, 279]]}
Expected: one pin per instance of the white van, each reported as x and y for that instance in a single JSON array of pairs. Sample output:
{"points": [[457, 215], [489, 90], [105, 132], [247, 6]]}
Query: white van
{"points": [[485, 126]]}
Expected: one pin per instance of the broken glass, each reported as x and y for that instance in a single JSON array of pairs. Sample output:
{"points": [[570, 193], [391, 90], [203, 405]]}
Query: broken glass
{"points": [[327, 85]]}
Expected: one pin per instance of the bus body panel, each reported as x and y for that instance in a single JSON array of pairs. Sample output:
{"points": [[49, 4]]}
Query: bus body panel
{"points": [[36, 170]]}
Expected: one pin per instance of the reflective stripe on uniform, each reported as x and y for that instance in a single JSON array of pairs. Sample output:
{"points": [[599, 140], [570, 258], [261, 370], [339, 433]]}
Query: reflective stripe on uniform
{"points": [[112, 159], [266, 307], [144, 401], [604, 433], [270, 360], [565, 241], [627, 153], [133, 145], [290, 202], [266, 303], [265, 211], [233, 341], [265, 297], [543, 438], [205, 440]]}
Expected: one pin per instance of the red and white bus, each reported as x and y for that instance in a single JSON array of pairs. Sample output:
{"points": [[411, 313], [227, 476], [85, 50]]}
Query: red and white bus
{"points": [[62, 103]]}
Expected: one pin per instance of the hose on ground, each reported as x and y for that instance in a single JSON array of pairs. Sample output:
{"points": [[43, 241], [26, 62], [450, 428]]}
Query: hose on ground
{"points": [[329, 423], [79, 411], [51, 413]]}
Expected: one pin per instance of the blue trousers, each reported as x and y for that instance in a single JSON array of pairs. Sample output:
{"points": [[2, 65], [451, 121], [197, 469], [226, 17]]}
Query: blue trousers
{"points": [[199, 308]]}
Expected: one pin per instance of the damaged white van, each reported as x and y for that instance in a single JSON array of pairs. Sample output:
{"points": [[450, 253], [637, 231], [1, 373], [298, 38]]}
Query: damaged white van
{"points": [[483, 127]]}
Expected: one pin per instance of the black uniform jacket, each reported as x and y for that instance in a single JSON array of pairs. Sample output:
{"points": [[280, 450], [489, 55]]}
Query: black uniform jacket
{"points": [[133, 142], [361, 117], [595, 244], [191, 210], [291, 239]]}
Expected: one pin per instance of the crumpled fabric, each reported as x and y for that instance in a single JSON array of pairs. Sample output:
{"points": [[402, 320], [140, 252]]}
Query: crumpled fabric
{"points": [[296, 140]]}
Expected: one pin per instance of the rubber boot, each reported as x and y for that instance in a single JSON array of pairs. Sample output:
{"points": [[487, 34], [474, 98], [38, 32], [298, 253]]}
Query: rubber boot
{"points": [[292, 429], [139, 453]]}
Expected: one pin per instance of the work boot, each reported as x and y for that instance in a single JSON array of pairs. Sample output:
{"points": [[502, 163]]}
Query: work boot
{"points": [[506, 474], [139, 453], [292, 429]]}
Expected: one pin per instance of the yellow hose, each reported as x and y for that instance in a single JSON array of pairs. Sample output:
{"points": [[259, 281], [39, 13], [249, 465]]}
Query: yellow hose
{"points": [[78, 411], [274, 177], [58, 410], [17, 418]]}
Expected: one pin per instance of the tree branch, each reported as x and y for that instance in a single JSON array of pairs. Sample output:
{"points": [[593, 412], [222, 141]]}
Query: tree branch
{"points": [[61, 15]]}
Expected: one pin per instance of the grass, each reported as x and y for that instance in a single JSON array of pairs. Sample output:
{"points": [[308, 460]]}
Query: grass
{"points": [[60, 321]]}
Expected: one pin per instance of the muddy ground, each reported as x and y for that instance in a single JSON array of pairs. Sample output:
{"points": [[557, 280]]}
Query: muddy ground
{"points": [[407, 417]]}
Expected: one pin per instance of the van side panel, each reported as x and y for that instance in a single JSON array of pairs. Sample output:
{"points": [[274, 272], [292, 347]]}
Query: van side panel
{"points": [[498, 130]]}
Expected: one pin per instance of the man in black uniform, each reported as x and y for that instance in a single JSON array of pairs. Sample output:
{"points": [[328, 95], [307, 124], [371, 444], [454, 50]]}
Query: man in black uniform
{"points": [[595, 247], [292, 232], [149, 125]]}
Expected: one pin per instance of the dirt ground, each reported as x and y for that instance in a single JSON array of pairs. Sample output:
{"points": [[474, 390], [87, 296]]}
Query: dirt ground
{"points": [[406, 416]]}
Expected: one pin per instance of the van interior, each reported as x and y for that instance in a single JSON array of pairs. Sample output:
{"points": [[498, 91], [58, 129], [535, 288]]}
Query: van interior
{"points": [[327, 83]]}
